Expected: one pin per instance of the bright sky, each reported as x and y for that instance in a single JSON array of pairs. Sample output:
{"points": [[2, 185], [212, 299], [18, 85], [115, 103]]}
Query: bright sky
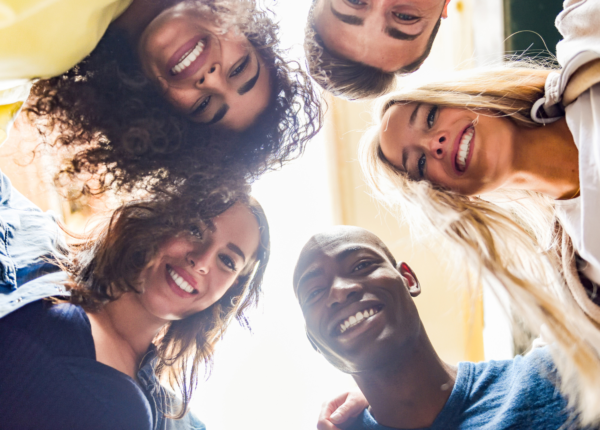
{"points": [[273, 379]]}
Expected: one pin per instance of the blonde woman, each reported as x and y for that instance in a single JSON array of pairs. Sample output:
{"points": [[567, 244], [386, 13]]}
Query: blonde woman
{"points": [[463, 157]]}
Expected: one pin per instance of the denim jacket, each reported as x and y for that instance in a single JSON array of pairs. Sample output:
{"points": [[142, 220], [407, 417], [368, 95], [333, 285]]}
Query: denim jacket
{"points": [[29, 239]]}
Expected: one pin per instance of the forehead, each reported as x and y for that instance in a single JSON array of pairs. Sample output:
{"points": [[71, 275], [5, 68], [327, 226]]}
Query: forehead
{"points": [[239, 226], [367, 43], [395, 128], [327, 250]]}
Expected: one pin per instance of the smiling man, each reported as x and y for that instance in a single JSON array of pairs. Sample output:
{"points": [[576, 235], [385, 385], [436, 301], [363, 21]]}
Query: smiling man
{"points": [[360, 315], [355, 48]]}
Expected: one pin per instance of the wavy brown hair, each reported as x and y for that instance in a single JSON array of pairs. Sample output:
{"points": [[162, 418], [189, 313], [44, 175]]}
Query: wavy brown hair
{"points": [[106, 266], [113, 123]]}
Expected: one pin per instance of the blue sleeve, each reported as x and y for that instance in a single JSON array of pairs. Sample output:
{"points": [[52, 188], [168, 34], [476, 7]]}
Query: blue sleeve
{"points": [[516, 394], [28, 237]]}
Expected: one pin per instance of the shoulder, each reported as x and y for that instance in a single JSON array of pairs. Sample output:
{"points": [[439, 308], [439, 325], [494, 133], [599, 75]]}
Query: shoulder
{"points": [[518, 393], [52, 379], [49, 37], [519, 373], [578, 25], [57, 329]]}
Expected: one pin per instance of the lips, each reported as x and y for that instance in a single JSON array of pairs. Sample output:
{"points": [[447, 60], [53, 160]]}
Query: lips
{"points": [[353, 317], [184, 50], [180, 282], [463, 150]]}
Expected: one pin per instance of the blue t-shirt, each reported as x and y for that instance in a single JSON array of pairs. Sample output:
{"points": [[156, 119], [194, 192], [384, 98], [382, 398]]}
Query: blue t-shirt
{"points": [[511, 394]]}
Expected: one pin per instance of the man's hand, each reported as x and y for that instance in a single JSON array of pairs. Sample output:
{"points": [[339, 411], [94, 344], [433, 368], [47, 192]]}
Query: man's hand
{"points": [[341, 410]]}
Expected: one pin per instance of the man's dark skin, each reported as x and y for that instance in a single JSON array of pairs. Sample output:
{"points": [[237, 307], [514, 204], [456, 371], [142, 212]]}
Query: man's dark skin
{"points": [[348, 270]]}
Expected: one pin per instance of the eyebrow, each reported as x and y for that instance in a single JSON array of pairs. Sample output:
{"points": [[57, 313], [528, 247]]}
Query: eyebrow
{"points": [[413, 116], [219, 115], [250, 84], [400, 35], [237, 250], [306, 276], [347, 19], [347, 252]]}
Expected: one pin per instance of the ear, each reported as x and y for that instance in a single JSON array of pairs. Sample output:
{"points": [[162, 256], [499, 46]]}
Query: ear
{"points": [[445, 10], [412, 283]]}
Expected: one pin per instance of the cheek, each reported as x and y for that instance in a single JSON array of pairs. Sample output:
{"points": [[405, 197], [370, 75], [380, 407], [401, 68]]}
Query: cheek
{"points": [[182, 99], [437, 175]]}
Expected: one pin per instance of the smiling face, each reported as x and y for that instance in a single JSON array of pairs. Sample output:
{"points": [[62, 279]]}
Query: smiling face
{"points": [[457, 149], [386, 34], [358, 307], [210, 76], [188, 276]]}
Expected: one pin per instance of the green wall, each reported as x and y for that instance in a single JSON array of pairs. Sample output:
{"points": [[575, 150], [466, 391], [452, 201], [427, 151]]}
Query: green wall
{"points": [[533, 15]]}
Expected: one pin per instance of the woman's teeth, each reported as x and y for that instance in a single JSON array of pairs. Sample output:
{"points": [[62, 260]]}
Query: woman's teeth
{"points": [[181, 283], [463, 149], [188, 58], [357, 319]]}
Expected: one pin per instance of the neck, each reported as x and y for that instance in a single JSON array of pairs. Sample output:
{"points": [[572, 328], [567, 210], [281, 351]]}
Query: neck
{"points": [[546, 161], [139, 15], [123, 331], [412, 390]]}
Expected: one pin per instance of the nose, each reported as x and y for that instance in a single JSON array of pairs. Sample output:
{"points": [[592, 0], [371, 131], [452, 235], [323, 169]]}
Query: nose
{"points": [[341, 291], [438, 145], [199, 261], [211, 78]]}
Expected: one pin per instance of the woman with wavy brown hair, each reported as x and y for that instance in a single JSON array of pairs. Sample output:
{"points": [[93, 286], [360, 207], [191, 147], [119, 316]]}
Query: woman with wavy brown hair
{"points": [[172, 87], [143, 302]]}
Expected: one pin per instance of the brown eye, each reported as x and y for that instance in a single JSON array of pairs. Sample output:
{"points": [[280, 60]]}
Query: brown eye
{"points": [[195, 231]]}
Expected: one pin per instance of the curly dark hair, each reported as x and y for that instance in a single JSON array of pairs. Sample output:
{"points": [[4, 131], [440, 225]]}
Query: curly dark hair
{"points": [[112, 122], [105, 266]]}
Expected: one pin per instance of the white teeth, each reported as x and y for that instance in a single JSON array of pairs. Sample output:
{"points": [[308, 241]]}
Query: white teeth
{"points": [[463, 149], [357, 319], [188, 58], [181, 283]]}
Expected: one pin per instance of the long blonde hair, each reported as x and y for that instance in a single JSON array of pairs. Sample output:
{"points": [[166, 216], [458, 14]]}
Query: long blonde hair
{"points": [[508, 240]]}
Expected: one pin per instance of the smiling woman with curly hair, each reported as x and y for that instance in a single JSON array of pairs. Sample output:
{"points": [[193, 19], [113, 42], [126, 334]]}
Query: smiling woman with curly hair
{"points": [[174, 87]]}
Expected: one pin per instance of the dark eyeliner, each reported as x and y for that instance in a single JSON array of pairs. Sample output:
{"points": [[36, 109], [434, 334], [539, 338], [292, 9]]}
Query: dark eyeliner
{"points": [[202, 106], [239, 69]]}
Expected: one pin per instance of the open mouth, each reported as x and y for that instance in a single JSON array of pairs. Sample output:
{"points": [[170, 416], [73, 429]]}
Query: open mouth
{"points": [[358, 318], [181, 283], [188, 58], [464, 149]]}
